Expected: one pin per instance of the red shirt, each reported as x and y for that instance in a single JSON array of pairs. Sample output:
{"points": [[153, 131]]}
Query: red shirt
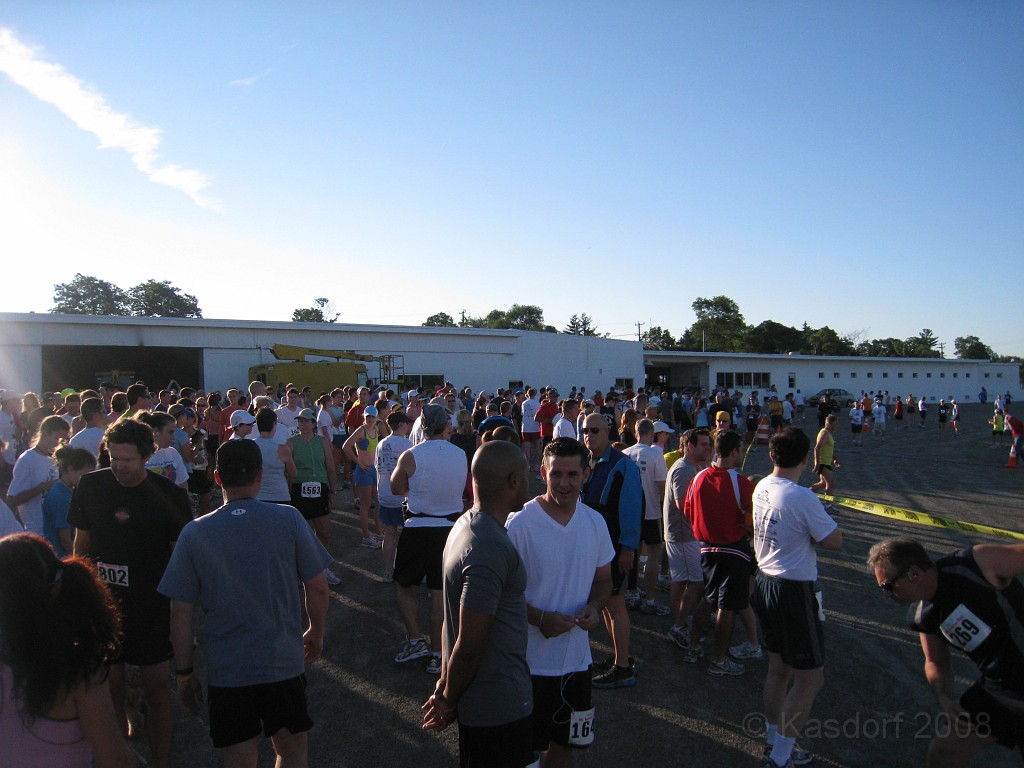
{"points": [[225, 421], [545, 414], [354, 418], [712, 509]]}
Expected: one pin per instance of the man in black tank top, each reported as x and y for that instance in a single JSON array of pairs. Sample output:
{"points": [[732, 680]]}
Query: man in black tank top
{"points": [[972, 600]]}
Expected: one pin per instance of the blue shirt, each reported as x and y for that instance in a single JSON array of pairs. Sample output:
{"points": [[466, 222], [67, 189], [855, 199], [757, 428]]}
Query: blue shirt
{"points": [[614, 490], [55, 515]]}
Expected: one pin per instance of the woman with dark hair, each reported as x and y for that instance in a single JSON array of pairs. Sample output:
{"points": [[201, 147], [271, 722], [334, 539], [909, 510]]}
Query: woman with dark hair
{"points": [[479, 411], [60, 631], [627, 427]]}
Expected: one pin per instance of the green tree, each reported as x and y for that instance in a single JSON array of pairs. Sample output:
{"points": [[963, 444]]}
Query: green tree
{"points": [[524, 317], [890, 347], [825, 341], [161, 299], [972, 348], [658, 338], [87, 295], [580, 325], [772, 338], [440, 320], [720, 326], [923, 345], [323, 312]]}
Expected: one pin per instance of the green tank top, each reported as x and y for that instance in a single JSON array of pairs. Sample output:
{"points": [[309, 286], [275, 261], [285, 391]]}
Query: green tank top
{"points": [[825, 454], [309, 459]]}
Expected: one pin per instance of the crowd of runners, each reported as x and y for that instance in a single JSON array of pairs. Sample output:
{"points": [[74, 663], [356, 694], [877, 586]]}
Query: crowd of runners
{"points": [[208, 507]]}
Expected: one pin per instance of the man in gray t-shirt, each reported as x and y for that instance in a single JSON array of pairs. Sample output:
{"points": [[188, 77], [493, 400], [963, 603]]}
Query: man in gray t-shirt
{"points": [[239, 565], [682, 550], [485, 681]]}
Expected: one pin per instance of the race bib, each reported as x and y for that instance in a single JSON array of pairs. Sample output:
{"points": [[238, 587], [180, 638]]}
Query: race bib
{"points": [[310, 490], [965, 630], [581, 728], [113, 574]]}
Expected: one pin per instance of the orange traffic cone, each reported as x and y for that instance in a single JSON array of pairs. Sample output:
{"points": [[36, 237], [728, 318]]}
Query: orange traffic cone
{"points": [[762, 431], [1013, 456]]}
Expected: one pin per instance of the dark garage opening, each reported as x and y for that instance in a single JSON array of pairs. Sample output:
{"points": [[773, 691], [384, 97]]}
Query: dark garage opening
{"points": [[81, 367]]}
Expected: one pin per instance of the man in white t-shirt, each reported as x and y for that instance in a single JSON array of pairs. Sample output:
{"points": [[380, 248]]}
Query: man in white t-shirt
{"points": [[288, 413], [564, 598], [385, 459], [566, 425], [95, 425], [789, 521], [531, 428], [653, 471], [878, 414], [856, 423]]}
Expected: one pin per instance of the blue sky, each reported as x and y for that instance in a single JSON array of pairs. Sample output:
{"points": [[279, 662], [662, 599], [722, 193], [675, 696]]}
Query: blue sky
{"points": [[857, 165]]}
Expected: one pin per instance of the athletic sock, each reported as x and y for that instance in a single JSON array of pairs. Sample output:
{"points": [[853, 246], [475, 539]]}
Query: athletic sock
{"points": [[783, 749]]}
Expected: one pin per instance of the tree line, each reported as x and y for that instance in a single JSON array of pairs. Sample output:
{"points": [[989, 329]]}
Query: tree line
{"points": [[721, 327]]}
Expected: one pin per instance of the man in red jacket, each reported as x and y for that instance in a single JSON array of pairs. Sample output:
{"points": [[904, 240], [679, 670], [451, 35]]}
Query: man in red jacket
{"points": [[719, 506]]}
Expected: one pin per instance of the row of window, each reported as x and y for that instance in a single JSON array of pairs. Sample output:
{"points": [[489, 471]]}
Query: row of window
{"points": [[899, 375]]}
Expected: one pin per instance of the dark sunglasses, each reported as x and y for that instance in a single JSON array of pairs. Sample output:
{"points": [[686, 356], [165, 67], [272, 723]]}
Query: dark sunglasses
{"points": [[889, 586], [592, 430]]}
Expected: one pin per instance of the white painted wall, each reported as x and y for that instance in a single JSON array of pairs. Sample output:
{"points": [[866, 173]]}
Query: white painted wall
{"points": [[481, 359]]}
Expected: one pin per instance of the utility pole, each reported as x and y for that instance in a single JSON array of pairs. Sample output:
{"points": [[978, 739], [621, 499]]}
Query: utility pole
{"points": [[462, 316], [639, 335]]}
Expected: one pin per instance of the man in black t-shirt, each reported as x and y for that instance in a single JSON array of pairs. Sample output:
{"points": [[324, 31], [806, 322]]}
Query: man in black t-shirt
{"points": [[972, 600], [128, 520]]}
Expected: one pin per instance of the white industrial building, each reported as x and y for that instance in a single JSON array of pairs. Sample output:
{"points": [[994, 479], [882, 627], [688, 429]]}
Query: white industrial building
{"points": [[933, 378], [49, 352]]}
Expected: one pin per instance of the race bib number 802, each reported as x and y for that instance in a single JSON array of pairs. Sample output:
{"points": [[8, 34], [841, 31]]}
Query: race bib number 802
{"points": [[113, 574]]}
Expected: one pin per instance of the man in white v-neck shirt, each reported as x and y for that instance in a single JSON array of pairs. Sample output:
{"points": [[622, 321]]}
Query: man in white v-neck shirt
{"points": [[564, 598]]}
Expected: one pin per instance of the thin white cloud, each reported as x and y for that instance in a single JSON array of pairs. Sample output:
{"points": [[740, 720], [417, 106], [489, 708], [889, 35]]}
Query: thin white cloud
{"points": [[245, 82], [89, 110]]}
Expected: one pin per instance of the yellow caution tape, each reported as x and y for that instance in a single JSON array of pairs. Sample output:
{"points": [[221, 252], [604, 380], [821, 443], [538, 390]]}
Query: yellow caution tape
{"points": [[920, 518]]}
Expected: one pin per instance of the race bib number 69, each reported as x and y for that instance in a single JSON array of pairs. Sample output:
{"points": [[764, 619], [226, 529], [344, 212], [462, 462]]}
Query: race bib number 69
{"points": [[113, 574]]}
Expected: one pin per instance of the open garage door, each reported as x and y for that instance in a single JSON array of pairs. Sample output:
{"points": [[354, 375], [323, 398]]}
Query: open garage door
{"points": [[87, 366]]}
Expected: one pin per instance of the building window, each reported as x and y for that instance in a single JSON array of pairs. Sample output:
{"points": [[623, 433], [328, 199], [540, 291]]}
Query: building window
{"points": [[913, 375], [929, 375], [514, 385], [792, 380], [885, 374], [955, 375], [999, 375], [623, 384], [967, 375], [871, 375], [986, 375], [899, 375], [835, 375], [942, 375], [853, 374], [821, 374]]}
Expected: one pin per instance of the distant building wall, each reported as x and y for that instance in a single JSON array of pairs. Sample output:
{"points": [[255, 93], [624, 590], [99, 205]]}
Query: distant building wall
{"points": [[933, 378], [479, 358]]}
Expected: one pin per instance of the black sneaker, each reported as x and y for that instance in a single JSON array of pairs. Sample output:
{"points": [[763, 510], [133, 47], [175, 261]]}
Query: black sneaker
{"points": [[616, 677], [600, 667]]}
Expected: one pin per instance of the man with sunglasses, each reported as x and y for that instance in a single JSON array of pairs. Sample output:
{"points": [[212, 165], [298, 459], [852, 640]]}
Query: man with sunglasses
{"points": [[789, 522], [614, 490], [972, 600]]}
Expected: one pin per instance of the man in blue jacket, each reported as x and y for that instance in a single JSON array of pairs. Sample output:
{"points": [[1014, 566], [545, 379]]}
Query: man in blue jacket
{"points": [[613, 489]]}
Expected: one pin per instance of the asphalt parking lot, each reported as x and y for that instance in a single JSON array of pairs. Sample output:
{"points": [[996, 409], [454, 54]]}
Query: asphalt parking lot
{"points": [[876, 708]]}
